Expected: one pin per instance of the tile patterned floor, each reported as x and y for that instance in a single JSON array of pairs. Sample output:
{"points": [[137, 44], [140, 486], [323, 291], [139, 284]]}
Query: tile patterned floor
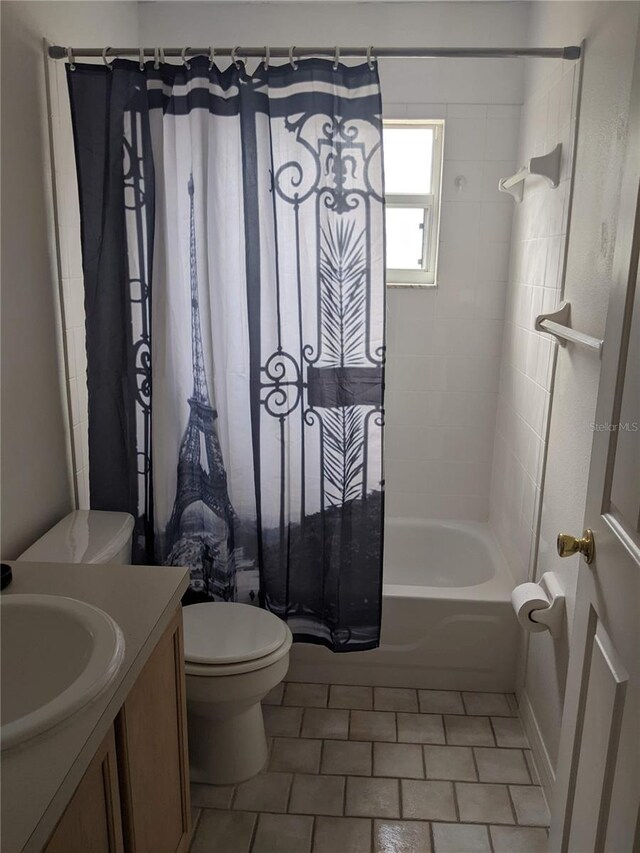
{"points": [[381, 770]]}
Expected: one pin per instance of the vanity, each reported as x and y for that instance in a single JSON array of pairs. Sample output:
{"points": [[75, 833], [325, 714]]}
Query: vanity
{"points": [[113, 777]]}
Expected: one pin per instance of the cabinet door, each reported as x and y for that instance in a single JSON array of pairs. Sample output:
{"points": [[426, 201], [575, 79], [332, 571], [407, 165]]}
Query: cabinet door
{"points": [[91, 821], [152, 752]]}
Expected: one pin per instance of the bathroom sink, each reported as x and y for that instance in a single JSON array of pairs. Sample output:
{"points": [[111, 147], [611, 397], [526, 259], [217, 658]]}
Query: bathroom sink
{"points": [[58, 654]]}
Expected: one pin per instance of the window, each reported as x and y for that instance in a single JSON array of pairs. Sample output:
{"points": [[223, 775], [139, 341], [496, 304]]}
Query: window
{"points": [[412, 170]]}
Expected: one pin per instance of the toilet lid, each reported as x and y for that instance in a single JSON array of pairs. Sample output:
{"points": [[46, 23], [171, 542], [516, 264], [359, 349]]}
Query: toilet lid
{"points": [[224, 632]]}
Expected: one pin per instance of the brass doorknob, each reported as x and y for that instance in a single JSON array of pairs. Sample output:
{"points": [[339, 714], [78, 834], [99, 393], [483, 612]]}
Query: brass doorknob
{"points": [[569, 545]]}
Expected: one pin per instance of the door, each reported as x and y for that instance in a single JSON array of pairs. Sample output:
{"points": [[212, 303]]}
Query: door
{"points": [[597, 794]]}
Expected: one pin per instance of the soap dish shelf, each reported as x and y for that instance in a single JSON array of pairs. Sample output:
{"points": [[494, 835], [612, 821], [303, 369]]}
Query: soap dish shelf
{"points": [[546, 166]]}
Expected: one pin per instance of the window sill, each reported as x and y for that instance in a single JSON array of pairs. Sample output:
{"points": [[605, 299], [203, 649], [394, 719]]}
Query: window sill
{"points": [[413, 285]]}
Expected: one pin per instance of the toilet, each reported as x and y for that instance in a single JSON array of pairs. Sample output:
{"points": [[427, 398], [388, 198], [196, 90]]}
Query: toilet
{"points": [[234, 653]]}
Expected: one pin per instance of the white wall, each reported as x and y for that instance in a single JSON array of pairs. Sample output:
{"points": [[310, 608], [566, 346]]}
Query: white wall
{"points": [[611, 31], [36, 477]]}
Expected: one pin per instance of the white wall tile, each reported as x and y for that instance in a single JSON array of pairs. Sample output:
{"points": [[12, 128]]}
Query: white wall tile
{"points": [[495, 222], [76, 414], [468, 175], [459, 221], [493, 171], [490, 299], [425, 111], [503, 111], [444, 344], [464, 138], [428, 506], [455, 301], [466, 111], [536, 269], [501, 138], [82, 482], [493, 261]]}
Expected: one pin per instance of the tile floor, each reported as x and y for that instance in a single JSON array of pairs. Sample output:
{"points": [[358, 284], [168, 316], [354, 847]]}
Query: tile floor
{"points": [[381, 770]]}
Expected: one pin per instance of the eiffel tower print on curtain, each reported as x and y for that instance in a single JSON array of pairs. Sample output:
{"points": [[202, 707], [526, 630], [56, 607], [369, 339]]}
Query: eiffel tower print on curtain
{"points": [[200, 530]]}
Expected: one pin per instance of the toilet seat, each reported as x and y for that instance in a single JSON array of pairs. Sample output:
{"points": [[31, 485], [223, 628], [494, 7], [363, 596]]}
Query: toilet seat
{"points": [[224, 638]]}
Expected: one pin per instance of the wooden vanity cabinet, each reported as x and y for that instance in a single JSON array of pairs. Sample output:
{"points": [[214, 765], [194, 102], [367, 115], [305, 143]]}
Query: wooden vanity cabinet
{"points": [[91, 821], [134, 797], [153, 764]]}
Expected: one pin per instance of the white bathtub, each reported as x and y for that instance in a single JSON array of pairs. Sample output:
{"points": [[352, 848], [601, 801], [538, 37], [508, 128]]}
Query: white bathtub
{"points": [[447, 621]]}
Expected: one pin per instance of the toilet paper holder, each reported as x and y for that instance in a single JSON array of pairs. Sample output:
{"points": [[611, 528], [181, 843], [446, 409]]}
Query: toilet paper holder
{"points": [[551, 616]]}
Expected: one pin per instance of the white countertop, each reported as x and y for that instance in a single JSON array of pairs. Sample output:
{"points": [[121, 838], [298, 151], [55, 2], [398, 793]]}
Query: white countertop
{"points": [[40, 776]]}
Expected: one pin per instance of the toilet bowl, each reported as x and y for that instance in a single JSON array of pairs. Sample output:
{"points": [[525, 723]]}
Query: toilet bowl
{"points": [[234, 653]]}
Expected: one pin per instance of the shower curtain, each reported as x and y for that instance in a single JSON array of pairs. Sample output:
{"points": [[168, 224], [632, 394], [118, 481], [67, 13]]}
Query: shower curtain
{"points": [[232, 239]]}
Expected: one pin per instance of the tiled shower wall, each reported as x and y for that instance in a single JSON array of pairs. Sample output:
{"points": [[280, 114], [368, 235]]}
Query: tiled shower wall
{"points": [[540, 228], [444, 342]]}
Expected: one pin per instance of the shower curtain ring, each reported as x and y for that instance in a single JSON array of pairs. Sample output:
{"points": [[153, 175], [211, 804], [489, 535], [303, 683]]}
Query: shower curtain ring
{"points": [[294, 64], [370, 60], [105, 52], [72, 62], [267, 57], [156, 58], [212, 53], [161, 52], [183, 55], [234, 57], [336, 61], [141, 59]]}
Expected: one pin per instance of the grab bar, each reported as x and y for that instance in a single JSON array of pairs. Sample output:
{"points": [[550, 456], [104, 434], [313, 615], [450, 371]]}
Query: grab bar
{"points": [[556, 323]]}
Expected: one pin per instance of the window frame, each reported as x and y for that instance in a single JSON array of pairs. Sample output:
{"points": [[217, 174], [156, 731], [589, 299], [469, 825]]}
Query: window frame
{"points": [[429, 202]]}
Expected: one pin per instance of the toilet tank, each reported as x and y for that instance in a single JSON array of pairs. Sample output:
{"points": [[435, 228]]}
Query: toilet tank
{"points": [[85, 536]]}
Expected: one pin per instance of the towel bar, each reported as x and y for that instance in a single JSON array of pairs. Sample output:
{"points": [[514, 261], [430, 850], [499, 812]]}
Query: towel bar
{"points": [[556, 323]]}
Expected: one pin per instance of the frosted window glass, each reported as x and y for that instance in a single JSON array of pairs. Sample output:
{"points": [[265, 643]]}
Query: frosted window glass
{"points": [[408, 153], [405, 237]]}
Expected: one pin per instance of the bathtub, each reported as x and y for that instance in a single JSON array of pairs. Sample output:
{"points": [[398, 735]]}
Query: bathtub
{"points": [[447, 621]]}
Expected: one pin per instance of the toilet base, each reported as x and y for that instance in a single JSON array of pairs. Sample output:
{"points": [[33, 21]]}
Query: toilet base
{"points": [[227, 750]]}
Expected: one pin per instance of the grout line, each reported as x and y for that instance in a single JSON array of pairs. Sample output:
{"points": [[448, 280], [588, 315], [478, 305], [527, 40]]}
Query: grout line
{"points": [[493, 731], [254, 831], [513, 806], [490, 839], [475, 764], [312, 839], [194, 825], [495, 742], [526, 764], [319, 770], [456, 805], [289, 794], [431, 836]]}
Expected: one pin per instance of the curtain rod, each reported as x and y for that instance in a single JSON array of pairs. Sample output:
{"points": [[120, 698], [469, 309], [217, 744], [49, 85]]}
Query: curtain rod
{"points": [[571, 52]]}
